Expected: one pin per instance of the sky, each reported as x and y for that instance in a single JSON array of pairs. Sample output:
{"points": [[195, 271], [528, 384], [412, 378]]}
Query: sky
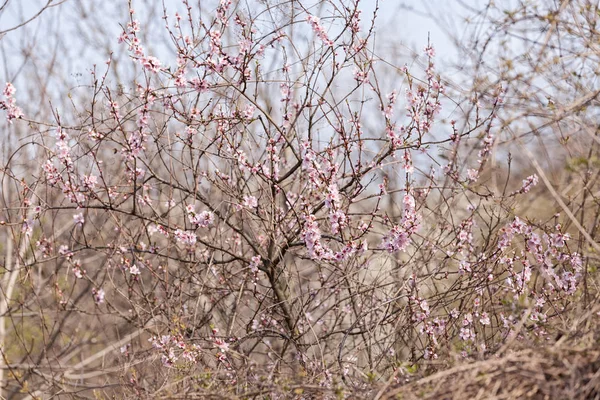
{"points": [[396, 26], [69, 38]]}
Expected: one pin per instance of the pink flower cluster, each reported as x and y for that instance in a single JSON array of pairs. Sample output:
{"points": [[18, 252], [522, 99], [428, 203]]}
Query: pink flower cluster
{"points": [[528, 183], [561, 269], [151, 63], [315, 22], [250, 202], [203, 219], [174, 348], [129, 36], [311, 234], [186, 237], [398, 237], [9, 104]]}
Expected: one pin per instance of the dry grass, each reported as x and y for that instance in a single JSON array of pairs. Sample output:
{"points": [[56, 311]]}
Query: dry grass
{"points": [[566, 368]]}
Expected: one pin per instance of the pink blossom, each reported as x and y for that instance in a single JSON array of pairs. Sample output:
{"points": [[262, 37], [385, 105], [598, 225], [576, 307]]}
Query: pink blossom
{"points": [[311, 234], [396, 239], [408, 165], [90, 181], [199, 85], [315, 22], [9, 90], [485, 319], [13, 112], [361, 75], [467, 334], [77, 271], [472, 175], [78, 219], [249, 111], [134, 270], [338, 220], [429, 51], [222, 345], [203, 220], [98, 295], [185, 237], [255, 264], [133, 26], [528, 183], [250, 202], [27, 227], [333, 196], [63, 250]]}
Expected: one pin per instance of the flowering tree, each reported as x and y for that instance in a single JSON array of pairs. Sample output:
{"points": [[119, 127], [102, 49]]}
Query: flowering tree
{"points": [[258, 211]]}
